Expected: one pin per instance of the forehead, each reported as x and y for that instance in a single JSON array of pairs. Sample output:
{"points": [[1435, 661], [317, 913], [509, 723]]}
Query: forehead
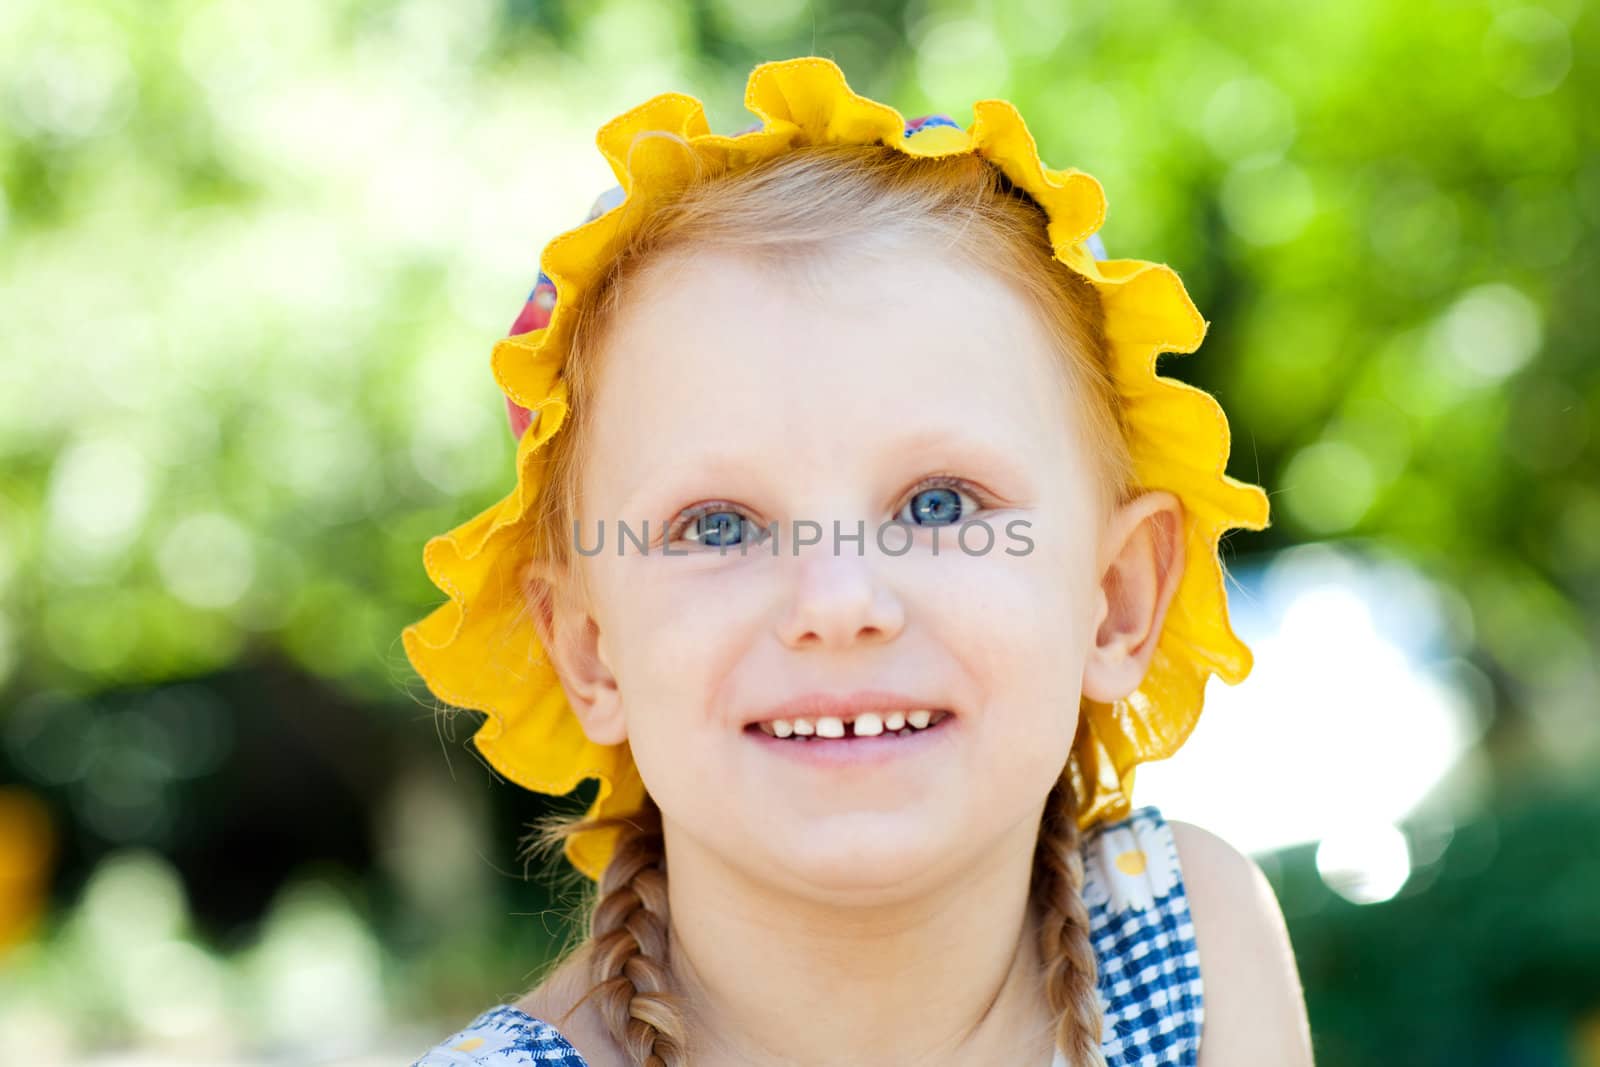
{"points": [[717, 357]]}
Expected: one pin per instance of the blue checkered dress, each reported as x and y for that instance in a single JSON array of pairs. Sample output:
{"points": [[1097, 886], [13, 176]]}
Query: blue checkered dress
{"points": [[1143, 938]]}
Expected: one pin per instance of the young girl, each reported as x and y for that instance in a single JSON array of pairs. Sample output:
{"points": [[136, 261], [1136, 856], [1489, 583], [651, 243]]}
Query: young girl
{"points": [[860, 554]]}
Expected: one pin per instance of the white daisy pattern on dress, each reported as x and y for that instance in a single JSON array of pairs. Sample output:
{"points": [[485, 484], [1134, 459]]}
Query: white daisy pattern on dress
{"points": [[1137, 863]]}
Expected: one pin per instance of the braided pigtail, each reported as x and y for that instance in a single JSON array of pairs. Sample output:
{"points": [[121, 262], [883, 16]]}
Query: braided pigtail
{"points": [[1067, 954], [627, 950]]}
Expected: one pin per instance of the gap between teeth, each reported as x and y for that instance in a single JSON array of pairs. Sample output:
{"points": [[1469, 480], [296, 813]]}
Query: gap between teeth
{"points": [[867, 724]]}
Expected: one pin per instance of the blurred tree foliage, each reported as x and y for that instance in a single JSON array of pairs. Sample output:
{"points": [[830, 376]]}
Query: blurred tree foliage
{"points": [[253, 257]]}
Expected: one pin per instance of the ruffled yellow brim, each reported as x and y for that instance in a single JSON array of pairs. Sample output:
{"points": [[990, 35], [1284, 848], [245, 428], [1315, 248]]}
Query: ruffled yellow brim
{"points": [[479, 650]]}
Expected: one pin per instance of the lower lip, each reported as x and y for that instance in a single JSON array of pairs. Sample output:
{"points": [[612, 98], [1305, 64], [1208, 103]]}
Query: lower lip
{"points": [[852, 751]]}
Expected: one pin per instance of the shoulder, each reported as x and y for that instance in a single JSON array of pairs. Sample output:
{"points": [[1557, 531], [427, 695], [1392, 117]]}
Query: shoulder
{"points": [[1254, 1008]]}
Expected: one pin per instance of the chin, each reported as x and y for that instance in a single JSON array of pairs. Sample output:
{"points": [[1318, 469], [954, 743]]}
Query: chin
{"points": [[859, 864]]}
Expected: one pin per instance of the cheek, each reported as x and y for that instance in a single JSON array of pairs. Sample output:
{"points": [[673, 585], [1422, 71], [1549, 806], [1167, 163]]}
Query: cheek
{"points": [[1026, 613], [676, 631], [1017, 625], [677, 619]]}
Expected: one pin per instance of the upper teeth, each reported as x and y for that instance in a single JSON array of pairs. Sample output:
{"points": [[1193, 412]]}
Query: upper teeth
{"points": [[866, 724]]}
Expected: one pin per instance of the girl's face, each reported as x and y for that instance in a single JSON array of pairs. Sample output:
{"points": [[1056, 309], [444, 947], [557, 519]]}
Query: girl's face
{"points": [[913, 391]]}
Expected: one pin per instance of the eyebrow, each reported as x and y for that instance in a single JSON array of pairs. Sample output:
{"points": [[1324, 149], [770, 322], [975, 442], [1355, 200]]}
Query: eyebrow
{"points": [[982, 451]]}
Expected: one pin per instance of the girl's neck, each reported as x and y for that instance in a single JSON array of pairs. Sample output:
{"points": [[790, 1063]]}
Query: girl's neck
{"points": [[949, 975]]}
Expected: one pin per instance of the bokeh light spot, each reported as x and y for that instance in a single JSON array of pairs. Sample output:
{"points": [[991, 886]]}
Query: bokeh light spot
{"points": [[1486, 335], [1365, 864], [1328, 486], [1267, 202], [1248, 117], [207, 560], [1528, 51], [98, 496], [961, 59]]}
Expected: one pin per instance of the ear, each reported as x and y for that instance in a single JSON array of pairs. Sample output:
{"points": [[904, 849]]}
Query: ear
{"points": [[573, 643], [1142, 559]]}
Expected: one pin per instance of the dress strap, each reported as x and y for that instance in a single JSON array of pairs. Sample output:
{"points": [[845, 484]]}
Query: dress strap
{"points": [[1144, 943]]}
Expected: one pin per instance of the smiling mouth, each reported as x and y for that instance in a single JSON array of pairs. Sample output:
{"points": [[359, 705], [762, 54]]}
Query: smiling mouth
{"points": [[866, 725]]}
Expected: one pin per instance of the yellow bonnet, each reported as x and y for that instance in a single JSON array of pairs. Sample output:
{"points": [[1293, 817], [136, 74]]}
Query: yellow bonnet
{"points": [[479, 650]]}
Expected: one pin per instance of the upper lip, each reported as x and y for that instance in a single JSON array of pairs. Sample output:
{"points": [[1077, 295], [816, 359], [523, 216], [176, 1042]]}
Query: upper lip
{"points": [[844, 706]]}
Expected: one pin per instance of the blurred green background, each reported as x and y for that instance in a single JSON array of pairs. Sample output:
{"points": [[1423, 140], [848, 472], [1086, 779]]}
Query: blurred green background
{"points": [[253, 257]]}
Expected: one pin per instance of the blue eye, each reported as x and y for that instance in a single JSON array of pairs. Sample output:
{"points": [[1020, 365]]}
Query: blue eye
{"points": [[721, 528], [937, 505]]}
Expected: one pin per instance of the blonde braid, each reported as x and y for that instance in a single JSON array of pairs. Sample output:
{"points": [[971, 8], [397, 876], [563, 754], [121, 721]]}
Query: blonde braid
{"points": [[628, 946], [1065, 949]]}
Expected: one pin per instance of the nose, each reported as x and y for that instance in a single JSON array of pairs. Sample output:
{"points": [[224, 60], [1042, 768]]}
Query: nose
{"points": [[839, 599]]}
